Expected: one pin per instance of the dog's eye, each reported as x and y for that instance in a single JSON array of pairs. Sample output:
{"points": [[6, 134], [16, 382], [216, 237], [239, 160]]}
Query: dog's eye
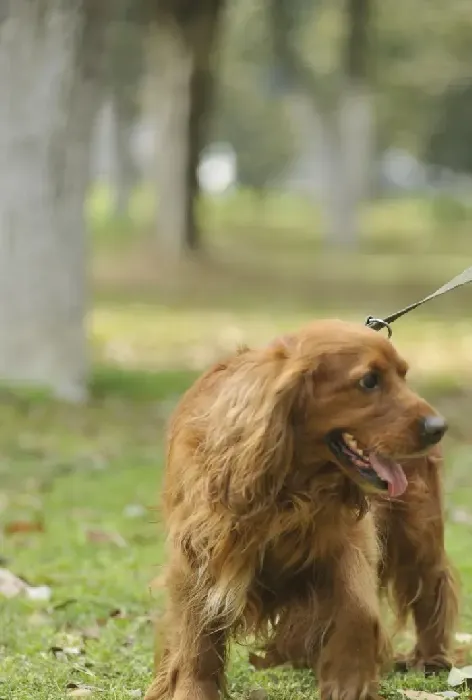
{"points": [[370, 381]]}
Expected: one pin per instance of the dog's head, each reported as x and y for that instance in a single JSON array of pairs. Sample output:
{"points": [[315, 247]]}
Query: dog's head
{"points": [[355, 408], [333, 396]]}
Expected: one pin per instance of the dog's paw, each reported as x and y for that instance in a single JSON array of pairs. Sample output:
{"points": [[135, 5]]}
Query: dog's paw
{"points": [[415, 664]]}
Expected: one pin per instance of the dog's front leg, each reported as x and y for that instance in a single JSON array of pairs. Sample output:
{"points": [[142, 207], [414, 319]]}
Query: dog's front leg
{"points": [[417, 569], [354, 646], [192, 664]]}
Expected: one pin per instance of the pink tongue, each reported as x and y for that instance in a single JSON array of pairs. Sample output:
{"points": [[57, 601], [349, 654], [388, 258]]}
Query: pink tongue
{"points": [[391, 472]]}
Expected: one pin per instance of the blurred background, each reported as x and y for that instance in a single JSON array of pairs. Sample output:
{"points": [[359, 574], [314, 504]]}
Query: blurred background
{"points": [[178, 178]]}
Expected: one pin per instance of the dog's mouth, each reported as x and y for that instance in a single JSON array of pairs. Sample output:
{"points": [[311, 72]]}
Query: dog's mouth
{"points": [[379, 472]]}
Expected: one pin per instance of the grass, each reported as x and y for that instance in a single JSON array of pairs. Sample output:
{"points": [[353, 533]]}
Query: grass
{"points": [[90, 477], [403, 224], [157, 335], [275, 252], [85, 481], [79, 485]]}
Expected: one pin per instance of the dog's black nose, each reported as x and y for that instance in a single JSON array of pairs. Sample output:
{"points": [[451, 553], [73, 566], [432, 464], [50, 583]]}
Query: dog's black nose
{"points": [[432, 429]]}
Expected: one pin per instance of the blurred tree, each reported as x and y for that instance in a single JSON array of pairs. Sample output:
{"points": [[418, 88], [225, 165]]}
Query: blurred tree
{"points": [[418, 65], [408, 67], [450, 143], [50, 56], [259, 131], [249, 110], [123, 72], [337, 95], [183, 38]]}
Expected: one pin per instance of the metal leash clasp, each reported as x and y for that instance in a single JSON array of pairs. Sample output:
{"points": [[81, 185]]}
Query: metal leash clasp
{"points": [[377, 324]]}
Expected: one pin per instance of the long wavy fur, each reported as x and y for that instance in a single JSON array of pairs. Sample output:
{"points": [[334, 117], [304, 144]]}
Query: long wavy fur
{"points": [[257, 547]]}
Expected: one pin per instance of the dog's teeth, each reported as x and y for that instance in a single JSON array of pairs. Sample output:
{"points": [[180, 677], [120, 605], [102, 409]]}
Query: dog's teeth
{"points": [[350, 441]]}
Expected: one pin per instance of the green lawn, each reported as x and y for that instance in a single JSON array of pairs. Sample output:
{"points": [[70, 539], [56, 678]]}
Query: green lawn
{"points": [[88, 479], [85, 480]]}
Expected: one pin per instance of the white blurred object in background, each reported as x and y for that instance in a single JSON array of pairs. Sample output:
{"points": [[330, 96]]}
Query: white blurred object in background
{"points": [[217, 170]]}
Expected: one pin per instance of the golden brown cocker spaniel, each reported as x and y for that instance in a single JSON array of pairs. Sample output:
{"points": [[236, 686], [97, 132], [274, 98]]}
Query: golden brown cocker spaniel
{"points": [[299, 476]]}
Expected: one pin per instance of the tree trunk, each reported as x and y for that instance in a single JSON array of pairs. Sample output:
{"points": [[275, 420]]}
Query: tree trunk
{"points": [[49, 57], [182, 49], [346, 142], [123, 74], [338, 139], [348, 132], [125, 175], [342, 113]]}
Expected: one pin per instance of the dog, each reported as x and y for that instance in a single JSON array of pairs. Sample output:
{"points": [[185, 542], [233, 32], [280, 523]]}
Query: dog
{"points": [[301, 478]]}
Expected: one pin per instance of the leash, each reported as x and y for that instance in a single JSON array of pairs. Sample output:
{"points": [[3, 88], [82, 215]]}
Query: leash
{"points": [[377, 323]]}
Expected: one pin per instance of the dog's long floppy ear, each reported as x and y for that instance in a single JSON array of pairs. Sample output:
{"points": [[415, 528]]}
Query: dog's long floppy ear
{"points": [[249, 438]]}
